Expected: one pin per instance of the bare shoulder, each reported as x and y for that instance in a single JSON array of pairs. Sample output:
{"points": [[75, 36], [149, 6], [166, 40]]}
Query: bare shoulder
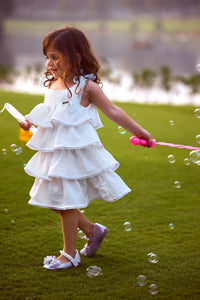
{"points": [[92, 93], [95, 95], [92, 89]]}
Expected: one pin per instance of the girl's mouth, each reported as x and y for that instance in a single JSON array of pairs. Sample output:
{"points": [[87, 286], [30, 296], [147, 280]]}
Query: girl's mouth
{"points": [[53, 70]]}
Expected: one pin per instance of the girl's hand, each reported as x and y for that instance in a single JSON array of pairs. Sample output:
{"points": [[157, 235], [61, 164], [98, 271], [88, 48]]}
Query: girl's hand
{"points": [[26, 124], [146, 136]]}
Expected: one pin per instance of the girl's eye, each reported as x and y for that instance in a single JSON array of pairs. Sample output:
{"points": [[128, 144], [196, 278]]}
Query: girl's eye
{"points": [[52, 57], [55, 57]]}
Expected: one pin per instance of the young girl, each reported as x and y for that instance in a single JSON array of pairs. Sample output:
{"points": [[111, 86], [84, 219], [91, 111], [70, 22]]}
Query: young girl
{"points": [[72, 167]]}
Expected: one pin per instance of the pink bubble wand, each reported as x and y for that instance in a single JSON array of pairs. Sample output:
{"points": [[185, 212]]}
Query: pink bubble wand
{"points": [[134, 140]]}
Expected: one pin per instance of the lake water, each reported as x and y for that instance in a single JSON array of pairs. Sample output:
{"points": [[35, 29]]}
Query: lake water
{"points": [[125, 53]]}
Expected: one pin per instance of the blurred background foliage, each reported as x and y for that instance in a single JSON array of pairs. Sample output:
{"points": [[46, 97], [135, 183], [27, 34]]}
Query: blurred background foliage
{"points": [[165, 33]]}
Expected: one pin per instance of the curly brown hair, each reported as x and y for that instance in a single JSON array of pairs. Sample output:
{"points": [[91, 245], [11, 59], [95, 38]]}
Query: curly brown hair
{"points": [[74, 45]]}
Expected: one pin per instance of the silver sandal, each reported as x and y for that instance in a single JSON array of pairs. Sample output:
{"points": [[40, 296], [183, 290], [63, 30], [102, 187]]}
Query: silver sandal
{"points": [[50, 262]]}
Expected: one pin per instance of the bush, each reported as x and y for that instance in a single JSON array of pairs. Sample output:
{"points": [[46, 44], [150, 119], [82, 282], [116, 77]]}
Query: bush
{"points": [[5, 73]]}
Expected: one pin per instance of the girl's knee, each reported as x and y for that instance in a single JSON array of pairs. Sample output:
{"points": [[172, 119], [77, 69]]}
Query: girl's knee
{"points": [[67, 211]]}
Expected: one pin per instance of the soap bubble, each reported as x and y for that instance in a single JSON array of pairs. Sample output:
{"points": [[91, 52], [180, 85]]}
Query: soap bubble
{"points": [[197, 113], [81, 234], [195, 157], [4, 151], [6, 210], [13, 221], [152, 257], [153, 289], [13, 147], [93, 271], [177, 184], [18, 151], [171, 226], [141, 280], [127, 226], [197, 138], [121, 130], [171, 159], [187, 161], [198, 67], [171, 122]]}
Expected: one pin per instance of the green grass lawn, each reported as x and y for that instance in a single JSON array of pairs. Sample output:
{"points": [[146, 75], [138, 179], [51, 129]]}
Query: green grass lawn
{"points": [[28, 234]]}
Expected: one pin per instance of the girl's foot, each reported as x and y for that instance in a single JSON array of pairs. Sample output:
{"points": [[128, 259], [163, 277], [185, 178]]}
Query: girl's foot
{"points": [[93, 243], [64, 261]]}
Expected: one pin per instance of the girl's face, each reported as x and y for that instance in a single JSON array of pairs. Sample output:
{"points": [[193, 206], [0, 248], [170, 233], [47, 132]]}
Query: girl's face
{"points": [[56, 63]]}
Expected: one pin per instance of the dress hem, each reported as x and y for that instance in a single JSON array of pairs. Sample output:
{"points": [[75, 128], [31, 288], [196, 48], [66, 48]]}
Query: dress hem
{"points": [[49, 178], [80, 206], [52, 120], [32, 147], [39, 125]]}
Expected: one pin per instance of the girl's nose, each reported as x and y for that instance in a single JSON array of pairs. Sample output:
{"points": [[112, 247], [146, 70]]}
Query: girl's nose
{"points": [[49, 63]]}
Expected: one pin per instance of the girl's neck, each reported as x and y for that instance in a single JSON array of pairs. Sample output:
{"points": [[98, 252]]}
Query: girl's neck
{"points": [[59, 84]]}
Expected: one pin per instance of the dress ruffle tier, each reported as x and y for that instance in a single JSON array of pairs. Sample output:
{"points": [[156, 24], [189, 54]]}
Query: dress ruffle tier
{"points": [[71, 167]]}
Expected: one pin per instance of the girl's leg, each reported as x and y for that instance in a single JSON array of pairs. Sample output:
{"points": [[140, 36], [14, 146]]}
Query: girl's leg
{"points": [[69, 221], [85, 225], [95, 234]]}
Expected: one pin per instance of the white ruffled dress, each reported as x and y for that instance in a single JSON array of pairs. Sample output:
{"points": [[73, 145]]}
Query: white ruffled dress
{"points": [[71, 167]]}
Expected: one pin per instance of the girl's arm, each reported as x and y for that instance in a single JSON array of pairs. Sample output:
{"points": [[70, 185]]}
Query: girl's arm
{"points": [[113, 112]]}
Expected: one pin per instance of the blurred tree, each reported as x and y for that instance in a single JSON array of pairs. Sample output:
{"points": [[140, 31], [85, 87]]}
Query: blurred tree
{"points": [[165, 74], [144, 79], [193, 81]]}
